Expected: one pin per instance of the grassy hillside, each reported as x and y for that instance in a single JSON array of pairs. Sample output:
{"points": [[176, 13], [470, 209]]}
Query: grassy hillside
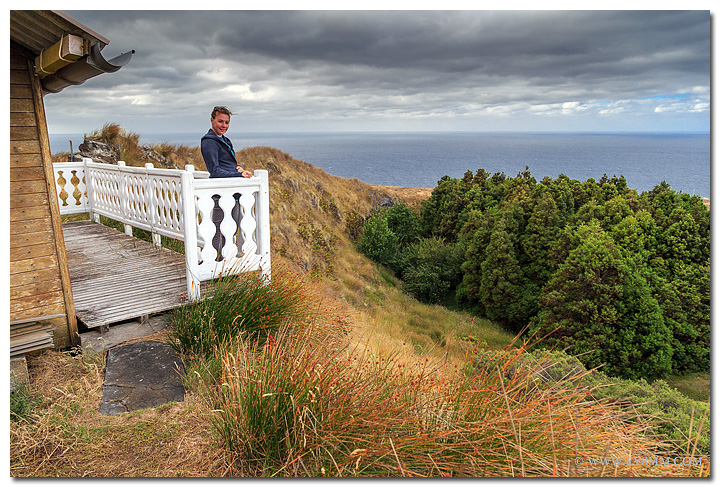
{"points": [[313, 215], [389, 387]]}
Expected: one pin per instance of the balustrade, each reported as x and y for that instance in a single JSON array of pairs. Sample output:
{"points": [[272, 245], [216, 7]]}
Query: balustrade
{"points": [[230, 229]]}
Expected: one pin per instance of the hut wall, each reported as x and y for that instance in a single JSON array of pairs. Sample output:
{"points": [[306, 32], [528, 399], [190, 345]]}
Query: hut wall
{"points": [[39, 281]]}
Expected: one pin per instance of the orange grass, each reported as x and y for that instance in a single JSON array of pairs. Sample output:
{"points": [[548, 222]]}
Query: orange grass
{"points": [[306, 404]]}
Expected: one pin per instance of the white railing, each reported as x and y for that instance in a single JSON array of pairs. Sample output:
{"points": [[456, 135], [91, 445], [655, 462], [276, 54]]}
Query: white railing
{"points": [[230, 217]]}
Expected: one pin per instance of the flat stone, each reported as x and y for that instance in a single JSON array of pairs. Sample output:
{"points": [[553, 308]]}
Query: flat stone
{"points": [[141, 375], [98, 341]]}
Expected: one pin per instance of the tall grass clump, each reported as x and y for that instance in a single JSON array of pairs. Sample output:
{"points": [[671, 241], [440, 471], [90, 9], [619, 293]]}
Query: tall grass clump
{"points": [[23, 403], [304, 404], [247, 304], [114, 134]]}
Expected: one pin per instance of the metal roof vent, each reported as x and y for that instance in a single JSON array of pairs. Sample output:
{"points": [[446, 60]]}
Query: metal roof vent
{"points": [[83, 69]]}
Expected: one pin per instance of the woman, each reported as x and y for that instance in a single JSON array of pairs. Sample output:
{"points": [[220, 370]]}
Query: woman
{"points": [[217, 150], [219, 155]]}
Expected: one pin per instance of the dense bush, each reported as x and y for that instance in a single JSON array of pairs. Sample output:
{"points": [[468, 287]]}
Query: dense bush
{"points": [[596, 297], [379, 242], [622, 277], [430, 267]]}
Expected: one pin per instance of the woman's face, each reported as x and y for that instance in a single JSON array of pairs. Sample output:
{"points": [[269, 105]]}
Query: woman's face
{"points": [[220, 123]]}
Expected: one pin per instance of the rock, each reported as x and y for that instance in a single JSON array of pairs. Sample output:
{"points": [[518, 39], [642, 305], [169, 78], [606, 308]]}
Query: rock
{"points": [[273, 169], [141, 375], [100, 151], [382, 200], [158, 160], [18, 373]]}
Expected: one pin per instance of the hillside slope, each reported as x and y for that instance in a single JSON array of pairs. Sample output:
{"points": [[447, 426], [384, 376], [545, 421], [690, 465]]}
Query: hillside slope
{"points": [[313, 216]]}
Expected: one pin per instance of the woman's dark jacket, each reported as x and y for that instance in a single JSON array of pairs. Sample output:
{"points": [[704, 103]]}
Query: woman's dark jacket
{"points": [[219, 156]]}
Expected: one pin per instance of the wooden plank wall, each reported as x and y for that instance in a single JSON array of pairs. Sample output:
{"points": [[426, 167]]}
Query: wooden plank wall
{"points": [[39, 282]]}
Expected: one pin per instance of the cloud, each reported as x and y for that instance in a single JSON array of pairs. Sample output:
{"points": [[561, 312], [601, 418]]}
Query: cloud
{"points": [[395, 67]]}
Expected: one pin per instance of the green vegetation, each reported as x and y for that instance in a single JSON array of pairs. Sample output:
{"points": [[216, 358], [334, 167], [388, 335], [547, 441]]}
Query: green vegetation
{"points": [[683, 421], [248, 304], [23, 402], [621, 279]]}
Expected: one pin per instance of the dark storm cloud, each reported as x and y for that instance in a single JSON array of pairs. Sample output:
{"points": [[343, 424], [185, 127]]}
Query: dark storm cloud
{"points": [[345, 64]]}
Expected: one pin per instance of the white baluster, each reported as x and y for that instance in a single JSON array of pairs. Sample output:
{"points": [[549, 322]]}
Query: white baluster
{"points": [[247, 223], [123, 198], [228, 227], [206, 229]]}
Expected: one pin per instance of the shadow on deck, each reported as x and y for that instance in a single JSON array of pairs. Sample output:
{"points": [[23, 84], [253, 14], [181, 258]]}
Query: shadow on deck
{"points": [[116, 277]]}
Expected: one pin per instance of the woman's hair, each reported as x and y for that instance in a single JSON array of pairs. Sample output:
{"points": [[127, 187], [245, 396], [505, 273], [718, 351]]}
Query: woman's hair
{"points": [[223, 110]]}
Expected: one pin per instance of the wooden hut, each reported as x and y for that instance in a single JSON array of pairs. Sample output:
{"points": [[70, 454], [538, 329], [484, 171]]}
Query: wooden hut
{"points": [[48, 52]]}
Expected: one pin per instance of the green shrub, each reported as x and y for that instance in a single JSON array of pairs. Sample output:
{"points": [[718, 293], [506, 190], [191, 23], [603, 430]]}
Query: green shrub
{"points": [[403, 223], [430, 267], [673, 415], [378, 242], [684, 421], [600, 306], [424, 283], [241, 305]]}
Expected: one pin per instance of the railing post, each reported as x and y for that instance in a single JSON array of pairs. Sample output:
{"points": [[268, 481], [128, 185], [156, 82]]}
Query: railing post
{"points": [[262, 215], [89, 184], [190, 233]]}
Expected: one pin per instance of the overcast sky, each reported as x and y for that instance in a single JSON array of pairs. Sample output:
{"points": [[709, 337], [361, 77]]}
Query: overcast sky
{"points": [[401, 70]]}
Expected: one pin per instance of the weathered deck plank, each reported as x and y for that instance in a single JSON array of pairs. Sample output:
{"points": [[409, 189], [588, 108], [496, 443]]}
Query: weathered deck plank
{"points": [[116, 277]]}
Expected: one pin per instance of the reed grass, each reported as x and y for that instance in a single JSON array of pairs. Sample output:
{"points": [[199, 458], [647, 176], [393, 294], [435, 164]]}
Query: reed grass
{"points": [[247, 304], [306, 405]]}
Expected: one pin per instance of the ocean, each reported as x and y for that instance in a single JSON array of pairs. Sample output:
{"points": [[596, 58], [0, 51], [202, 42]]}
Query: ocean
{"points": [[420, 159]]}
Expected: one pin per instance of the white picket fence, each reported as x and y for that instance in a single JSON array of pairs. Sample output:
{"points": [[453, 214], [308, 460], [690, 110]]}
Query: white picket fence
{"points": [[230, 217]]}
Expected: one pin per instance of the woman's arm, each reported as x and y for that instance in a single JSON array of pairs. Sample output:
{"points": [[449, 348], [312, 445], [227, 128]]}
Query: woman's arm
{"points": [[211, 154]]}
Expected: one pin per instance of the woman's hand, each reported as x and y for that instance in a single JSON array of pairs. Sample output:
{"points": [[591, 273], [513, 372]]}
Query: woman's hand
{"points": [[245, 174]]}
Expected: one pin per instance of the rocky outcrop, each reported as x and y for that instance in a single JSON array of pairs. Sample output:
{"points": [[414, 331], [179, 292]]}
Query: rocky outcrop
{"points": [[110, 154], [158, 160], [100, 151]]}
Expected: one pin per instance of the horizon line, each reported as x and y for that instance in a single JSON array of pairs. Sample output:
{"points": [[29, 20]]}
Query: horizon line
{"points": [[697, 132]]}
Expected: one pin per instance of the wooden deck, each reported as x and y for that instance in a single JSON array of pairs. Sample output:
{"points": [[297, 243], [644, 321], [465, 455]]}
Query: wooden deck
{"points": [[116, 277]]}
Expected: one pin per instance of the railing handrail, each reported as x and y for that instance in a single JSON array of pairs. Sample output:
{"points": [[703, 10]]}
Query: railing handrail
{"points": [[231, 215]]}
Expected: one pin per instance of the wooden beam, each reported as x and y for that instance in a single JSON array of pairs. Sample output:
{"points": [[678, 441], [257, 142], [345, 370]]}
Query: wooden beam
{"points": [[24, 147], [32, 265], [33, 159], [32, 251], [31, 173], [29, 213], [21, 200], [21, 106], [54, 207], [27, 225]]}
